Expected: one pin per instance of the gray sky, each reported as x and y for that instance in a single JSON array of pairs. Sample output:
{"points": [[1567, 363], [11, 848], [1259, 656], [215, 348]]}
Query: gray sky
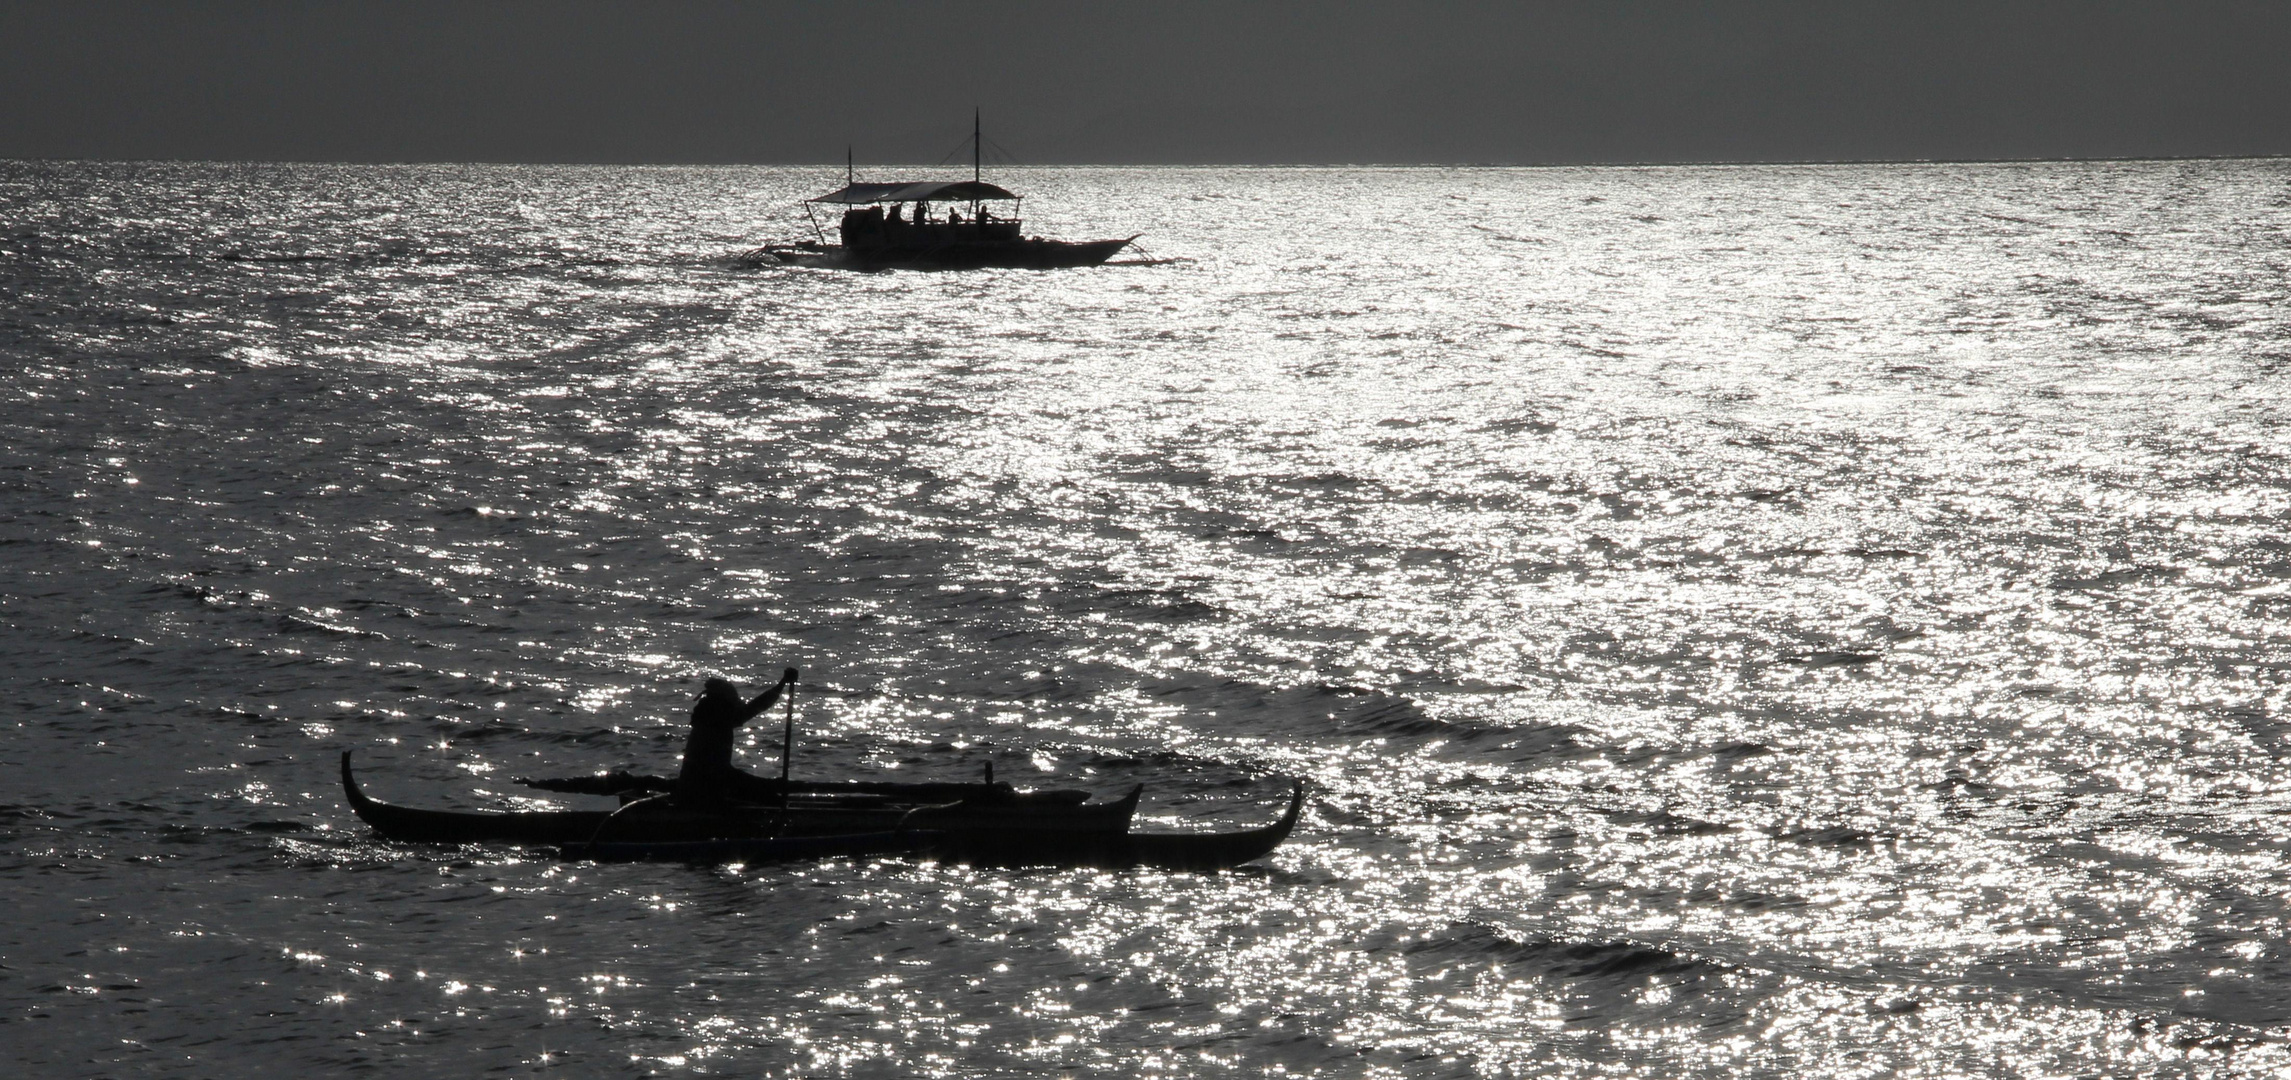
{"points": [[1237, 81]]}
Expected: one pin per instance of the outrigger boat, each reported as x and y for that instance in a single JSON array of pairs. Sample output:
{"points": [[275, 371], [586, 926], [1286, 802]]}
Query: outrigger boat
{"points": [[906, 236], [817, 825]]}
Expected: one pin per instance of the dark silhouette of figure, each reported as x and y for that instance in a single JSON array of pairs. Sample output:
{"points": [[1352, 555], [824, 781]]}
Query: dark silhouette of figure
{"points": [[862, 225], [708, 774]]}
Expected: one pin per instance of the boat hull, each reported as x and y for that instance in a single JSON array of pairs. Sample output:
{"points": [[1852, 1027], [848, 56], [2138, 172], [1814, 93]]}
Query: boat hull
{"points": [[1029, 254], [1094, 835], [661, 820]]}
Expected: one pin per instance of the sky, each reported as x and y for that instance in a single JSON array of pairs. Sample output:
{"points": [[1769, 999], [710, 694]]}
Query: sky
{"points": [[1166, 82]]}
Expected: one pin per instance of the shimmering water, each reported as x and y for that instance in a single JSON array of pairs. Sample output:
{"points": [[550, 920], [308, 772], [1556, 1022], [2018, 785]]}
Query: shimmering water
{"points": [[1737, 621]]}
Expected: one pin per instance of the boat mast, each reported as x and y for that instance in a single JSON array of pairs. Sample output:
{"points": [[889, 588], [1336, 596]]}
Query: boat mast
{"points": [[847, 164], [974, 144]]}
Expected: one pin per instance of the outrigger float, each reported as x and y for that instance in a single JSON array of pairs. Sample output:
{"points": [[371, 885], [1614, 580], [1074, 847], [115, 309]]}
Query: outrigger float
{"points": [[992, 825], [891, 226]]}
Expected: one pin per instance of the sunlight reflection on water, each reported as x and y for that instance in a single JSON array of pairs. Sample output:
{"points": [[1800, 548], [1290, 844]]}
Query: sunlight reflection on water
{"points": [[1735, 621]]}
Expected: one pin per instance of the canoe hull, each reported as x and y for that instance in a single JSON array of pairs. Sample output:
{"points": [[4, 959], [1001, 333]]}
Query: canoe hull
{"points": [[1086, 835], [659, 821]]}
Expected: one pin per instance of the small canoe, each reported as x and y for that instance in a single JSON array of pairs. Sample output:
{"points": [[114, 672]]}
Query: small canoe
{"points": [[663, 821]]}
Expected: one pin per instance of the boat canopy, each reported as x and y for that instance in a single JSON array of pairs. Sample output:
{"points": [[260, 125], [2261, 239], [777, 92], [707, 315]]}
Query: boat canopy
{"points": [[958, 191]]}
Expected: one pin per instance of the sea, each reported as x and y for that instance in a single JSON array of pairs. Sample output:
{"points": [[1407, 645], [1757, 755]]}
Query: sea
{"points": [[1747, 621]]}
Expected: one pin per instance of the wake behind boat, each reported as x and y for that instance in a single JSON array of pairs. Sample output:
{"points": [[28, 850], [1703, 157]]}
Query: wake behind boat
{"points": [[918, 225]]}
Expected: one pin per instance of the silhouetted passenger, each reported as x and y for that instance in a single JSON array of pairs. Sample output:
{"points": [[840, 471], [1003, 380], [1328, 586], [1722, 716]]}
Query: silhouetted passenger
{"points": [[708, 774], [862, 225]]}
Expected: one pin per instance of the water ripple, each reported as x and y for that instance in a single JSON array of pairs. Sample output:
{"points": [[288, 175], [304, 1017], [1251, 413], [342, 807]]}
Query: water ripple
{"points": [[1736, 621]]}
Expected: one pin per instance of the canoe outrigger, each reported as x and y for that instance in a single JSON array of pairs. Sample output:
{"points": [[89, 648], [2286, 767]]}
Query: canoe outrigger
{"points": [[906, 236], [816, 825]]}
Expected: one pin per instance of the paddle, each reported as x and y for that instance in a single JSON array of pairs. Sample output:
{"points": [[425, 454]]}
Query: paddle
{"points": [[787, 740]]}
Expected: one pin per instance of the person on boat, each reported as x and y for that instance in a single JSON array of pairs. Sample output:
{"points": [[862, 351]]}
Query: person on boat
{"points": [[708, 774], [860, 224]]}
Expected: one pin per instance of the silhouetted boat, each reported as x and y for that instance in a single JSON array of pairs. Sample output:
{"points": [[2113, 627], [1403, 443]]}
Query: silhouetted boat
{"points": [[656, 820], [906, 236], [1064, 835]]}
